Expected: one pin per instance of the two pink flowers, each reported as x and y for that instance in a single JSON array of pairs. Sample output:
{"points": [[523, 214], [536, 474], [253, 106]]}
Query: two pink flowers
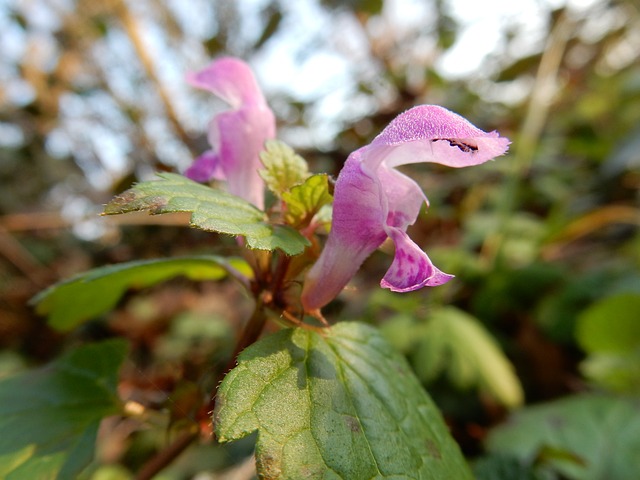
{"points": [[372, 200]]}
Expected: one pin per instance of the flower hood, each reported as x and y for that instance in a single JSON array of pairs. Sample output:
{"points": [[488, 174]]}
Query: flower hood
{"points": [[236, 136], [373, 201]]}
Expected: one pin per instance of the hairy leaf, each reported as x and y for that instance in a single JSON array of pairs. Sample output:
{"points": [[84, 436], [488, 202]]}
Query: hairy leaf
{"points": [[92, 293], [305, 201], [283, 168], [49, 417], [211, 210], [584, 437], [337, 404], [458, 343]]}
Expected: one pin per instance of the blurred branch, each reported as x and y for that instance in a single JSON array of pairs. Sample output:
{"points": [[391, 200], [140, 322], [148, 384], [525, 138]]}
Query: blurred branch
{"points": [[540, 102], [20, 257], [132, 29], [168, 455], [542, 94], [21, 222], [590, 223]]}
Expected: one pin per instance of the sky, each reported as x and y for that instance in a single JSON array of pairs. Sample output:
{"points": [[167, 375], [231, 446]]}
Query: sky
{"points": [[327, 77]]}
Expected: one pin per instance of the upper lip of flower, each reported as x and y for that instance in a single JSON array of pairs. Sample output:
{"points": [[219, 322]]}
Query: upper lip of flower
{"points": [[373, 201], [236, 136]]}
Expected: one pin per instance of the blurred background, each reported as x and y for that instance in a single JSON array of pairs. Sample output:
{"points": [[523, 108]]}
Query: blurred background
{"points": [[93, 98]]}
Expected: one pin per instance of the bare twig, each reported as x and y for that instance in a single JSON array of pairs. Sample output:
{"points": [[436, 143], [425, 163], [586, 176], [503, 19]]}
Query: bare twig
{"points": [[132, 28], [250, 334], [167, 455], [20, 257], [21, 222]]}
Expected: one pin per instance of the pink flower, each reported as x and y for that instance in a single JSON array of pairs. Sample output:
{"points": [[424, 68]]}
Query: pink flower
{"points": [[373, 201], [236, 136]]}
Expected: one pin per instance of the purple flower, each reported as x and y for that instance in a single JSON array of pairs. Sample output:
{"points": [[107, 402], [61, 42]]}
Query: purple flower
{"points": [[373, 201], [236, 136]]}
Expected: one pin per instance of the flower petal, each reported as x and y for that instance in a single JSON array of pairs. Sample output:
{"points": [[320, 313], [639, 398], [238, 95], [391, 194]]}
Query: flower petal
{"points": [[429, 133], [373, 201], [205, 167], [236, 136], [411, 268], [357, 229], [402, 197], [241, 135], [230, 79]]}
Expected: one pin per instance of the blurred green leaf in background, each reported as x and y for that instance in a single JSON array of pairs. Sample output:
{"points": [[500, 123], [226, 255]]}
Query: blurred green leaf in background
{"points": [[50, 416]]}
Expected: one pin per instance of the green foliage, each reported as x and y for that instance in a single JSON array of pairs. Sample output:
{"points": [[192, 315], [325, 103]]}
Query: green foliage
{"points": [[557, 312], [95, 292], [457, 343], [305, 201], [283, 168], [447, 341], [521, 235], [211, 210], [584, 437], [341, 404], [50, 416], [611, 325], [609, 331], [502, 467]]}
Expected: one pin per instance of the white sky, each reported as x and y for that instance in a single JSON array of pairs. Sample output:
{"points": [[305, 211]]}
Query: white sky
{"points": [[482, 23]]}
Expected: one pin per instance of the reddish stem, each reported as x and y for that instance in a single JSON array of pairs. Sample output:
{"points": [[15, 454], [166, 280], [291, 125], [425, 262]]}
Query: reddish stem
{"points": [[250, 334], [166, 456]]}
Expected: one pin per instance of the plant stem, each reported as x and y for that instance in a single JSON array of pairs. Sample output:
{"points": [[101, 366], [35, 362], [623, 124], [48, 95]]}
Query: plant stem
{"points": [[166, 456], [250, 334]]}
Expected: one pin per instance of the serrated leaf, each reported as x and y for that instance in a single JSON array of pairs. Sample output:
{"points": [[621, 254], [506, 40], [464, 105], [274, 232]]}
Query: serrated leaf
{"points": [[598, 434], [211, 210], [305, 200], [458, 343], [283, 168], [49, 417], [93, 293], [341, 404]]}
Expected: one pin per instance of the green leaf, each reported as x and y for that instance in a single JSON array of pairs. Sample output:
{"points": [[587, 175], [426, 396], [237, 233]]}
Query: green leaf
{"points": [[305, 201], [283, 168], [612, 325], [609, 331], [458, 343], [615, 372], [49, 417], [501, 467], [336, 404], [211, 210], [93, 293], [598, 434], [11, 461]]}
